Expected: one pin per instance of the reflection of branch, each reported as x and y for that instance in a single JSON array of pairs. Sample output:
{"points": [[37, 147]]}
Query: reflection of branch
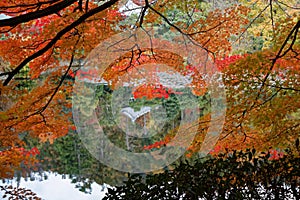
{"points": [[58, 37]]}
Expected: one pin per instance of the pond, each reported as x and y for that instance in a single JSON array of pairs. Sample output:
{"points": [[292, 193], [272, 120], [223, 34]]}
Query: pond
{"points": [[67, 168], [56, 187]]}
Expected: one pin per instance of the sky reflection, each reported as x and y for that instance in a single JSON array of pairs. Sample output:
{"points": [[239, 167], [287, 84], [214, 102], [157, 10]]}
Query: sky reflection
{"points": [[57, 188]]}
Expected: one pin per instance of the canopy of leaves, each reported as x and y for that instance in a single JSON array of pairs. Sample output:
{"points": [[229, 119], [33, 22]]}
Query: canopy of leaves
{"points": [[254, 44]]}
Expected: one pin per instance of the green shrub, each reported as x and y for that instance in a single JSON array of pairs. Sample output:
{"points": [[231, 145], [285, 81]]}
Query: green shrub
{"points": [[232, 175]]}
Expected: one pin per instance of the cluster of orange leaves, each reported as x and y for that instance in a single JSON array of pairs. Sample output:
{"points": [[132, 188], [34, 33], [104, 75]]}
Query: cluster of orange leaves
{"points": [[11, 159], [214, 32], [151, 91]]}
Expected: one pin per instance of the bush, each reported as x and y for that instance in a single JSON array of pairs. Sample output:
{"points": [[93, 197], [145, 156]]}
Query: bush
{"points": [[232, 175]]}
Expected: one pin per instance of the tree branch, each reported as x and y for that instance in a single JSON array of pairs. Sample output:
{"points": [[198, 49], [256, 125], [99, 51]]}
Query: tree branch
{"points": [[179, 30], [280, 55], [57, 37], [37, 14], [28, 5]]}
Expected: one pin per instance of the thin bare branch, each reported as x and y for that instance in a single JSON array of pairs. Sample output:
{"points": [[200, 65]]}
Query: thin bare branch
{"points": [[250, 24], [292, 7]]}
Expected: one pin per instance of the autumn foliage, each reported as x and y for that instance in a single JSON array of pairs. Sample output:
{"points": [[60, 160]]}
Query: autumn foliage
{"points": [[254, 49], [151, 91]]}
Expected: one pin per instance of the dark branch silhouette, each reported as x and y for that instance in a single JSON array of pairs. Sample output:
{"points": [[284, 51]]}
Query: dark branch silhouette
{"points": [[57, 37], [11, 22]]}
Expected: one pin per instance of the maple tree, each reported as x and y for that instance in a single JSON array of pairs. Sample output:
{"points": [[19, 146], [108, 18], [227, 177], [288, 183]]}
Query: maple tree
{"points": [[49, 31], [49, 38]]}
